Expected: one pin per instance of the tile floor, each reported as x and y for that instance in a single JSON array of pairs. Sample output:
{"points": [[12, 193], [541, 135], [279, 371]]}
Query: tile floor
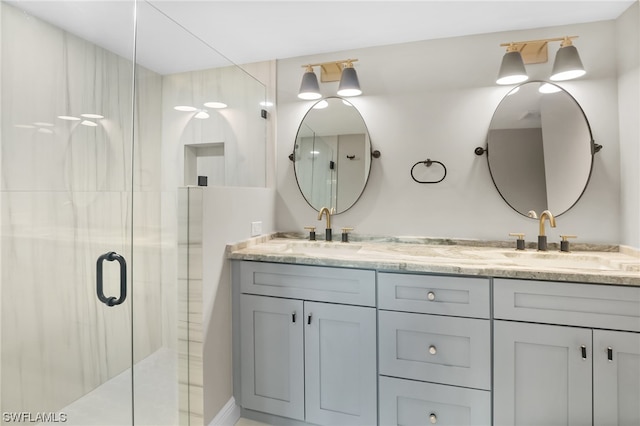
{"points": [[156, 396]]}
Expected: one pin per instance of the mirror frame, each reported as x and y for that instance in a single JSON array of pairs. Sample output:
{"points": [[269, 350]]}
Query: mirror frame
{"points": [[372, 154], [593, 146]]}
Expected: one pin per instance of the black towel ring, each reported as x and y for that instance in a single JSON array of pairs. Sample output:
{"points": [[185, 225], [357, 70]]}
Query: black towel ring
{"points": [[428, 163]]}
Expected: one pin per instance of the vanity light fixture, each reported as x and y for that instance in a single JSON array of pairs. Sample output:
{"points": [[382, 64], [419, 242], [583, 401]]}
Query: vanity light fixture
{"points": [[567, 64], [512, 69], [342, 71], [349, 84], [309, 88]]}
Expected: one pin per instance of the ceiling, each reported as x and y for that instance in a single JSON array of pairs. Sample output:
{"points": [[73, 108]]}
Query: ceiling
{"points": [[253, 31]]}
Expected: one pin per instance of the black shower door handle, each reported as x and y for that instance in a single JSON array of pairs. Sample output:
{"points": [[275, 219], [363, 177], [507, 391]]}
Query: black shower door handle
{"points": [[111, 301]]}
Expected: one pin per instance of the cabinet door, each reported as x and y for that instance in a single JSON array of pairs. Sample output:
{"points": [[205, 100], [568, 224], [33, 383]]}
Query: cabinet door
{"points": [[616, 378], [271, 360], [340, 361], [540, 374]]}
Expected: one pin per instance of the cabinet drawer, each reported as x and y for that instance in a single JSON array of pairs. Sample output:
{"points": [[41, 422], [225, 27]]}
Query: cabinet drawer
{"points": [[323, 284], [586, 305], [435, 294], [454, 351], [405, 402]]}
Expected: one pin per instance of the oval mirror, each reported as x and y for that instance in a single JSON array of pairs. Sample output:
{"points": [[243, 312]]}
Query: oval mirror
{"points": [[540, 149], [332, 155]]}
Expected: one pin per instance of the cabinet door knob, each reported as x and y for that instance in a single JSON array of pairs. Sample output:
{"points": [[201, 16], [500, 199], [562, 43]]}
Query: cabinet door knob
{"points": [[432, 350], [431, 296], [433, 419]]}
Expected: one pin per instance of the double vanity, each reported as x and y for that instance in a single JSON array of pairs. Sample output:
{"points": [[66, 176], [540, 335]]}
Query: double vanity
{"points": [[423, 331]]}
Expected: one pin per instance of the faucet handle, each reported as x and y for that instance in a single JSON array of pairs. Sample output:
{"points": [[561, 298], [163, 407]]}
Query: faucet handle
{"points": [[312, 232], [564, 243], [519, 241], [345, 234]]}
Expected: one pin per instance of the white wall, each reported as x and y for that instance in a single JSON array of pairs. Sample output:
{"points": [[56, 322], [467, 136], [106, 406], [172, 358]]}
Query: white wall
{"points": [[628, 43], [435, 99]]}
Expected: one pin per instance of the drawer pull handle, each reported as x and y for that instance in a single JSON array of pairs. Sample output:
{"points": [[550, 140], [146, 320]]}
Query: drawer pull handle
{"points": [[433, 419], [431, 296], [293, 317], [610, 353], [583, 348], [433, 350], [309, 320]]}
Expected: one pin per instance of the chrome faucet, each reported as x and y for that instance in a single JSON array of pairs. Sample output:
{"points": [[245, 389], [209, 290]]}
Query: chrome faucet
{"points": [[326, 211], [542, 238]]}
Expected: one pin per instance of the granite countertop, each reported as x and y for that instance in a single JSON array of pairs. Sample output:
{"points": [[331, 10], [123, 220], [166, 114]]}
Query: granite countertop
{"points": [[586, 263]]}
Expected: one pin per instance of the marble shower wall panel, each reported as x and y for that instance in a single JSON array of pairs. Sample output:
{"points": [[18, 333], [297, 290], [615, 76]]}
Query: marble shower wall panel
{"points": [[59, 341], [66, 199], [147, 155], [47, 73], [190, 318]]}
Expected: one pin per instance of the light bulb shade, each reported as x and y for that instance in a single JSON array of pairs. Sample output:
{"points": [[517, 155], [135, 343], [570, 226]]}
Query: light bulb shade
{"points": [[512, 70], [309, 89], [567, 65], [349, 84]]}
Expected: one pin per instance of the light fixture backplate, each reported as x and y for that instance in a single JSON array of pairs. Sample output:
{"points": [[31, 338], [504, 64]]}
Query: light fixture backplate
{"points": [[534, 52], [330, 71]]}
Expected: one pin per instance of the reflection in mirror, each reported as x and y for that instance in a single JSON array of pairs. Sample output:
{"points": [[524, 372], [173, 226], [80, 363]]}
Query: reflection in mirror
{"points": [[540, 149], [332, 155]]}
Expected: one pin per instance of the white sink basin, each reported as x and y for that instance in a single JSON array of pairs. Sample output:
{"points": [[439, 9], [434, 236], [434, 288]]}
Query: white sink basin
{"points": [[560, 260]]}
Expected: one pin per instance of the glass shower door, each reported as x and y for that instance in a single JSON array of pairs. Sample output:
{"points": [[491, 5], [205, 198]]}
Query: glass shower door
{"points": [[66, 212]]}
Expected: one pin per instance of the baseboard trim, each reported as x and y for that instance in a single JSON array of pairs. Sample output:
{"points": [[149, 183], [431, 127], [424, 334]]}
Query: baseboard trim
{"points": [[228, 415]]}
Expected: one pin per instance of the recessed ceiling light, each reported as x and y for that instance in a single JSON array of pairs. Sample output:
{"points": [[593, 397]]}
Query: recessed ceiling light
{"points": [[98, 116], [185, 108], [89, 123], [24, 126], [215, 104], [68, 117], [202, 115]]}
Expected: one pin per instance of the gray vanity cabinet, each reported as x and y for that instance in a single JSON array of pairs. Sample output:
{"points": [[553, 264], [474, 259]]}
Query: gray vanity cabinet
{"points": [[304, 358], [540, 377], [616, 378], [568, 371], [272, 357], [434, 350]]}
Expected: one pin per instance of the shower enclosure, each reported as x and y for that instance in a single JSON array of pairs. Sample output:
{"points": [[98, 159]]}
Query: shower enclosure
{"points": [[94, 316]]}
